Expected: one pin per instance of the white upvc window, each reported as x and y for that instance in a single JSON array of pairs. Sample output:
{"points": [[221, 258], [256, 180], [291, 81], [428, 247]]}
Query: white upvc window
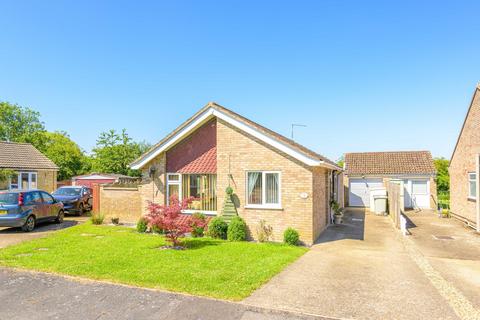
{"points": [[174, 186], [24, 181], [472, 185], [263, 189]]}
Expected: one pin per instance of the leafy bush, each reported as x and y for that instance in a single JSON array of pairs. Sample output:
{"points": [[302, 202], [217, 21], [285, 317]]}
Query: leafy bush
{"points": [[237, 230], [217, 228], [198, 224], [97, 218], [291, 237], [264, 231], [142, 225], [166, 218]]}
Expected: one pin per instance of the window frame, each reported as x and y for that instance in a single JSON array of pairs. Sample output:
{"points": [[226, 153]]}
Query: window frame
{"points": [[179, 183], [470, 180], [264, 204], [19, 180], [174, 182]]}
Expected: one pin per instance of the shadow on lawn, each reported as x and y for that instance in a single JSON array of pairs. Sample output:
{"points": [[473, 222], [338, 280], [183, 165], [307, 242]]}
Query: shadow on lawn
{"points": [[192, 243]]}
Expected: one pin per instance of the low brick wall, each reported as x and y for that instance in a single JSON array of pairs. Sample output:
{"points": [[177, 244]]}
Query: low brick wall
{"points": [[122, 202]]}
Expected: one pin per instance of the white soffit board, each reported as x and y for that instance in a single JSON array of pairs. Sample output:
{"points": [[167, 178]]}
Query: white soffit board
{"points": [[211, 112]]}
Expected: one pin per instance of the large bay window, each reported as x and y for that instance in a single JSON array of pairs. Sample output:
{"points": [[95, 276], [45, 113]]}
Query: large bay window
{"points": [[263, 189], [202, 187], [472, 185]]}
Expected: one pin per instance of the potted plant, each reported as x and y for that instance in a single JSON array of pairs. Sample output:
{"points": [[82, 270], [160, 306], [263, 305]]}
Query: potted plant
{"points": [[337, 212]]}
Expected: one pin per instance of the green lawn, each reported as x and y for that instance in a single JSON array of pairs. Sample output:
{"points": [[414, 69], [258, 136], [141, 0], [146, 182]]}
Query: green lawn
{"points": [[215, 268]]}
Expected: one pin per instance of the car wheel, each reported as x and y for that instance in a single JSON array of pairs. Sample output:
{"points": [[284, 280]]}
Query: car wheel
{"points": [[81, 209], [29, 224], [60, 217]]}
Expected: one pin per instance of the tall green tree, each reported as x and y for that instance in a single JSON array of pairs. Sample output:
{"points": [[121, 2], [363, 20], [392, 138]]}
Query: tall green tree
{"points": [[115, 151], [443, 177], [65, 153], [19, 124]]}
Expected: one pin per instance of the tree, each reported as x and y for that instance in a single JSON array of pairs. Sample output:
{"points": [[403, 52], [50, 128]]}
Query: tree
{"points": [[5, 174], [341, 161], [65, 153], [443, 177], [19, 124], [167, 218], [115, 151]]}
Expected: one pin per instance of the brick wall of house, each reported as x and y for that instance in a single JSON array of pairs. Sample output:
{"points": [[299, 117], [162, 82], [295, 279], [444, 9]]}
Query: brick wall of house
{"points": [[238, 152], [123, 203], [153, 189], [463, 162], [320, 195], [47, 180]]}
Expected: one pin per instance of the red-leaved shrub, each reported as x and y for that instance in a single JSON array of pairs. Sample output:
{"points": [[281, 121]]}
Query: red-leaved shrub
{"points": [[167, 218]]}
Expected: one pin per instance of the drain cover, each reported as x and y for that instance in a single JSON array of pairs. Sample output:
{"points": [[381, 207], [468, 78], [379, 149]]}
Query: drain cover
{"points": [[443, 237]]}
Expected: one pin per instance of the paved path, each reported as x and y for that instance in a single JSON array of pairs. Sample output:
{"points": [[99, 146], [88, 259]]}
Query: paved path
{"points": [[32, 296], [359, 270], [11, 236]]}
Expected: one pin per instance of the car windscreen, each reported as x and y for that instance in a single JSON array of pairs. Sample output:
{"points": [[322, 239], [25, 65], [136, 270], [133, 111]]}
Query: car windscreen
{"points": [[8, 198], [68, 192]]}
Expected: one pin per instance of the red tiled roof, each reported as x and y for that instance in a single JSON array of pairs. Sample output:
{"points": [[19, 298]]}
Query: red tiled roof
{"points": [[399, 162], [206, 163]]}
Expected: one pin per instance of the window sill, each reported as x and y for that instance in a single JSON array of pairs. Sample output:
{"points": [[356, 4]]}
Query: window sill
{"points": [[263, 207], [472, 199]]}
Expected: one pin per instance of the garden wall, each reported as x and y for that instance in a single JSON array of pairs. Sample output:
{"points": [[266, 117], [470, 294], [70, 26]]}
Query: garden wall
{"points": [[122, 202]]}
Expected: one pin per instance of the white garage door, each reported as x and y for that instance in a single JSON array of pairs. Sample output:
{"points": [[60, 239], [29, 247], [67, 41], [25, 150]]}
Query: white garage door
{"points": [[359, 194], [417, 193]]}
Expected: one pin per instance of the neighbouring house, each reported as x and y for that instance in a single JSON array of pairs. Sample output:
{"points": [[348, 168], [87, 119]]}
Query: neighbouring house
{"points": [[274, 179], [366, 171], [89, 180], [33, 170], [464, 167]]}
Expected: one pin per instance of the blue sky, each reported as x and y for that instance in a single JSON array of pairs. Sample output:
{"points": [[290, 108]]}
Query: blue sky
{"points": [[362, 75]]}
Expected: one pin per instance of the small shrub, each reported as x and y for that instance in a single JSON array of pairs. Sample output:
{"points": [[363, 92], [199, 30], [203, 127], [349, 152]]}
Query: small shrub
{"points": [[291, 237], [97, 218], [198, 224], [264, 231], [115, 220], [229, 191], [142, 225], [217, 228], [237, 230]]}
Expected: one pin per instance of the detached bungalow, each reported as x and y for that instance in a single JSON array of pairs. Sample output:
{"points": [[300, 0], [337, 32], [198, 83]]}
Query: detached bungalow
{"points": [[464, 167], [33, 170], [274, 179], [368, 170]]}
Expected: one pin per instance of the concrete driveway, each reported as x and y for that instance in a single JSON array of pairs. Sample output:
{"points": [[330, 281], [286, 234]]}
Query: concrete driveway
{"points": [[359, 270], [10, 236], [451, 248]]}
